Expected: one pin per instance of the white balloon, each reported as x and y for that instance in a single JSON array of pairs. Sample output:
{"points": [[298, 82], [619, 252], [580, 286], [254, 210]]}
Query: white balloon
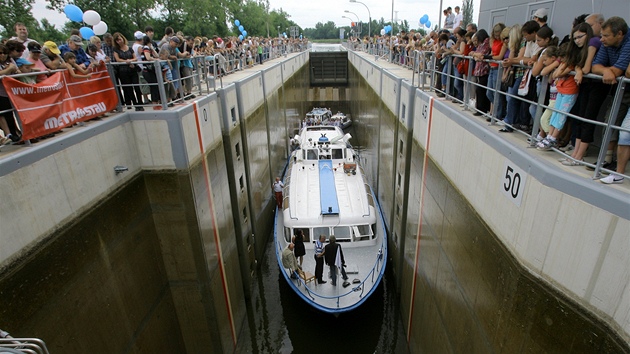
{"points": [[100, 28], [91, 17], [382, 32]]}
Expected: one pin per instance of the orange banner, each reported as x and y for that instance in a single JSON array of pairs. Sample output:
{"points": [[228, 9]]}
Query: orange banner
{"points": [[60, 101]]}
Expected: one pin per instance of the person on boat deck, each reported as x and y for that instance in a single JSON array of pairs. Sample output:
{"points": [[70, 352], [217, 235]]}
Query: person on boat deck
{"points": [[277, 189], [319, 259], [299, 250], [334, 259], [289, 261]]}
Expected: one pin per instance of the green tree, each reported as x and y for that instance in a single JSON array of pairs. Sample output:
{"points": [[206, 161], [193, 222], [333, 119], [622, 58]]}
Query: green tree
{"points": [[12, 11], [467, 11]]}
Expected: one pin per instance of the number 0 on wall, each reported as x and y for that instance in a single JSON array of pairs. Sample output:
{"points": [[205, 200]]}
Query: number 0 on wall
{"points": [[513, 182]]}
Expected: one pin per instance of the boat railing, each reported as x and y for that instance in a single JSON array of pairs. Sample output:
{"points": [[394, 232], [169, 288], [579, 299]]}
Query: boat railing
{"points": [[23, 345], [356, 287]]}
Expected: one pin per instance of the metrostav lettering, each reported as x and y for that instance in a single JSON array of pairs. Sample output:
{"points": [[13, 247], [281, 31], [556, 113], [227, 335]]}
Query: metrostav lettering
{"points": [[71, 116]]}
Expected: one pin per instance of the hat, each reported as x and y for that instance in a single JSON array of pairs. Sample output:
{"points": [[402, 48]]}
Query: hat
{"points": [[138, 35], [76, 39], [541, 13], [219, 40], [34, 47], [21, 61], [52, 46], [175, 39]]}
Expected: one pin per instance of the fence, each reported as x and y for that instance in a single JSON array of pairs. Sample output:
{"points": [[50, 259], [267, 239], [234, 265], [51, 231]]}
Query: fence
{"points": [[205, 76], [427, 71]]}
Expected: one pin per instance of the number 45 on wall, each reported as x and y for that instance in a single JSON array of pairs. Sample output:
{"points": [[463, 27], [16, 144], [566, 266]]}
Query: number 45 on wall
{"points": [[513, 182]]}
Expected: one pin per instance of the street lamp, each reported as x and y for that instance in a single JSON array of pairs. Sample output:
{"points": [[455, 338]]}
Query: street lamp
{"points": [[350, 12], [369, 15]]}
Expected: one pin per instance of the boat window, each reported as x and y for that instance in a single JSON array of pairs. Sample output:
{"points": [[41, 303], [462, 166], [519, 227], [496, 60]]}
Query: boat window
{"points": [[373, 227], [342, 233], [287, 234], [364, 230], [305, 232], [337, 154], [311, 154], [321, 231]]}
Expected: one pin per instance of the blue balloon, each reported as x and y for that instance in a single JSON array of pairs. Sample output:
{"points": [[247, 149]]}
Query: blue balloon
{"points": [[428, 24], [241, 28], [237, 23], [86, 32], [240, 37], [73, 12], [244, 34]]}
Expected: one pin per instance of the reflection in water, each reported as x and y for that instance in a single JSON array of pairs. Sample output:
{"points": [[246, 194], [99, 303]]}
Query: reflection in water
{"points": [[280, 322]]}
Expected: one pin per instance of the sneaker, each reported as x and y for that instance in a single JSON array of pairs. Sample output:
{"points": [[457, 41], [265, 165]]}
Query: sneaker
{"points": [[546, 145], [5, 140], [607, 165], [568, 147], [569, 162], [612, 179]]}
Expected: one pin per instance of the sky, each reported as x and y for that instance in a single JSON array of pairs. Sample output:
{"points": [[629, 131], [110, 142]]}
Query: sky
{"points": [[308, 13]]}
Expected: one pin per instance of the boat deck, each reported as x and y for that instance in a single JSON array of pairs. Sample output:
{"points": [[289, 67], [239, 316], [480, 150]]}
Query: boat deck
{"points": [[361, 264]]}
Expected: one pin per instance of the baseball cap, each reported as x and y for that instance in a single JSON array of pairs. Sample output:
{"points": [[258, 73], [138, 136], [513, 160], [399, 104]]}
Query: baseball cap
{"points": [[541, 13], [52, 46], [76, 39], [21, 61], [175, 39], [138, 35], [34, 47]]}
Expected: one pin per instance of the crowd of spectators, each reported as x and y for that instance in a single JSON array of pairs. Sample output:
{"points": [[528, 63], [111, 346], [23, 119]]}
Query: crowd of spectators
{"points": [[527, 53], [175, 56]]}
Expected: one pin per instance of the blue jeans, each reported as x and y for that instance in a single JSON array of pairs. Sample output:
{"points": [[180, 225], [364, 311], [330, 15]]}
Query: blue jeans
{"points": [[492, 80], [459, 85], [513, 104]]}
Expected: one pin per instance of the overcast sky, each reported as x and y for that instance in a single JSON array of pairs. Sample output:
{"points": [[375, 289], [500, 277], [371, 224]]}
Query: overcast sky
{"points": [[308, 13]]}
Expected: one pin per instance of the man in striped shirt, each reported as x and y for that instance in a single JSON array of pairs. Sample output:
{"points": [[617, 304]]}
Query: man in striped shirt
{"points": [[319, 259]]}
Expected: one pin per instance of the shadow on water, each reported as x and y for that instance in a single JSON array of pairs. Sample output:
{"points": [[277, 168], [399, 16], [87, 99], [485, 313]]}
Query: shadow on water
{"points": [[281, 322]]}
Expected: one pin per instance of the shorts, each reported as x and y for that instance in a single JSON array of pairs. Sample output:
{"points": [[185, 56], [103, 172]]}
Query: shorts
{"points": [[624, 136]]}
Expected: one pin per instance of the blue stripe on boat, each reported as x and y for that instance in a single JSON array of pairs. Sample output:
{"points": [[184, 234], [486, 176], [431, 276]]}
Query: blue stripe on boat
{"points": [[327, 190]]}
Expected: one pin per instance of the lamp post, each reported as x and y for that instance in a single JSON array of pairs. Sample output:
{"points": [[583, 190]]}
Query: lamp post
{"points": [[369, 16], [350, 12]]}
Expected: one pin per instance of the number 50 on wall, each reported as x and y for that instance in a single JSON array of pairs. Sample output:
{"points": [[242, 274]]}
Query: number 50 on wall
{"points": [[513, 182]]}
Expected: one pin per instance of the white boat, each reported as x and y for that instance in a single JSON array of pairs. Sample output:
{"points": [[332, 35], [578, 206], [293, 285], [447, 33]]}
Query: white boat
{"points": [[317, 116], [326, 193], [340, 120]]}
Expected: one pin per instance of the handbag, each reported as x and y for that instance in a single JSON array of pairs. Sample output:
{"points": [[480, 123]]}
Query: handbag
{"points": [[523, 88], [508, 78]]}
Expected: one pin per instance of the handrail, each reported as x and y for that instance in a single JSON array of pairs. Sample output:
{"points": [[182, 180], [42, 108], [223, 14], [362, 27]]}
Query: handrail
{"points": [[24, 345]]}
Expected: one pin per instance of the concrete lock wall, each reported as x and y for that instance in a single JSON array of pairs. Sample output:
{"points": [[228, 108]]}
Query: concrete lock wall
{"points": [[478, 272], [201, 253]]}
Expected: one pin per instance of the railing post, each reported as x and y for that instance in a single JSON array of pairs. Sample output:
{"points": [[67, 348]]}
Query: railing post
{"points": [[614, 110], [160, 82], [197, 63]]}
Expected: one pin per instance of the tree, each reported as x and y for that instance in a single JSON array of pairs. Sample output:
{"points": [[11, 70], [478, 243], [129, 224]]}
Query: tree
{"points": [[12, 11], [467, 11]]}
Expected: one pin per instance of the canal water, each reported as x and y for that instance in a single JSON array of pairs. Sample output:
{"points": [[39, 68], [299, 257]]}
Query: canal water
{"points": [[281, 322]]}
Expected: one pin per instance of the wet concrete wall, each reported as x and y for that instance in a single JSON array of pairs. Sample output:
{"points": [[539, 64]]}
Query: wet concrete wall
{"points": [[98, 289], [461, 288]]}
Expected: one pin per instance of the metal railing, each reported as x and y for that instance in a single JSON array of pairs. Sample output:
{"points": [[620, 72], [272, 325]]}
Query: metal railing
{"points": [[207, 75], [425, 67], [378, 264], [21, 345]]}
